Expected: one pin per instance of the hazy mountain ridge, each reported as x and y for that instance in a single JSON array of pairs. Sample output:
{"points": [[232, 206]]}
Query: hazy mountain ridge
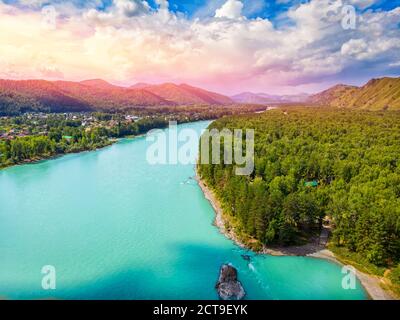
{"points": [[264, 98], [43, 95], [96, 94], [185, 94], [99, 95]]}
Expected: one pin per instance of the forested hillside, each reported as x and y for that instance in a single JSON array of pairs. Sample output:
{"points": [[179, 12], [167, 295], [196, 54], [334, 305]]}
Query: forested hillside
{"points": [[312, 163], [36, 96], [17, 97], [377, 94], [185, 94]]}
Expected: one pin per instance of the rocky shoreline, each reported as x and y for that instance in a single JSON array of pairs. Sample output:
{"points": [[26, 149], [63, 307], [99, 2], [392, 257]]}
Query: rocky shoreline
{"points": [[372, 284]]}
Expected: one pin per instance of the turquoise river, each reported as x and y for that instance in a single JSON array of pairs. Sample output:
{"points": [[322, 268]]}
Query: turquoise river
{"points": [[116, 227]]}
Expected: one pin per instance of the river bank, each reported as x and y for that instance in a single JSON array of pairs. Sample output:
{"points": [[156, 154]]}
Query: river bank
{"points": [[316, 249], [34, 160], [57, 155]]}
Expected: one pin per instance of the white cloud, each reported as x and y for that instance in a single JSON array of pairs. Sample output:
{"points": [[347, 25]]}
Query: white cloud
{"points": [[163, 4], [361, 50], [231, 9], [131, 8], [354, 47], [131, 42], [33, 3]]}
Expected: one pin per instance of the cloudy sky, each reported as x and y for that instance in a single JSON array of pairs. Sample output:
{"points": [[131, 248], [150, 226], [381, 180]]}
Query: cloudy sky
{"points": [[274, 46]]}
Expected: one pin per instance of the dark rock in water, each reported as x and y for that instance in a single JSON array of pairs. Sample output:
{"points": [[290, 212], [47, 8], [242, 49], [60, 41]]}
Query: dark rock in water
{"points": [[228, 286], [246, 257], [227, 273]]}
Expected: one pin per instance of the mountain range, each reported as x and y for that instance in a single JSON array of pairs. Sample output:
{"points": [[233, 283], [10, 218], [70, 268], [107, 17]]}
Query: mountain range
{"points": [[184, 94], [66, 96], [264, 98], [97, 94], [377, 94]]}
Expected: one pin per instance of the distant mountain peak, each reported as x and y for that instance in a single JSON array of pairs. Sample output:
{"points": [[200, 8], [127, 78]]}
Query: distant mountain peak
{"points": [[140, 85], [97, 83], [186, 94], [185, 85]]}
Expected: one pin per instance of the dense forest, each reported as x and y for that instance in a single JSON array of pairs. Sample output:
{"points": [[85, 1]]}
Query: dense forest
{"points": [[66, 136], [31, 136], [13, 103], [314, 165]]}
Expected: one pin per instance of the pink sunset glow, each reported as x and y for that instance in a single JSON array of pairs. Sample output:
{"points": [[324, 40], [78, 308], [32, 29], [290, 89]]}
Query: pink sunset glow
{"points": [[227, 52]]}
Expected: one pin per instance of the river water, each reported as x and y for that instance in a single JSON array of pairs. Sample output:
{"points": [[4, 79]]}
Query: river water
{"points": [[116, 227]]}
